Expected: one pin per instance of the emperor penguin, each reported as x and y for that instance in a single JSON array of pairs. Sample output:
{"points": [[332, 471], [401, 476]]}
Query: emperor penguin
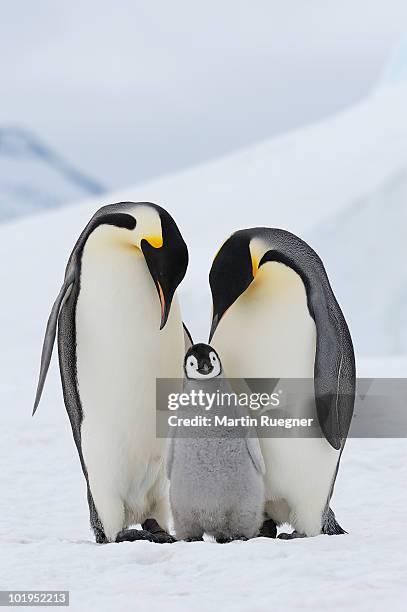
{"points": [[119, 329], [271, 295], [216, 472]]}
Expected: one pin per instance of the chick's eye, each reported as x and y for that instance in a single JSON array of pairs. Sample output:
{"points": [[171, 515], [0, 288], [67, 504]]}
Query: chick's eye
{"points": [[191, 363]]}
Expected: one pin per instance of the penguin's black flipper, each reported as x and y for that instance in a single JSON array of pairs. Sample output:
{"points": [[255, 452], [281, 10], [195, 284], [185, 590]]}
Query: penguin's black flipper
{"points": [[50, 334], [334, 374]]}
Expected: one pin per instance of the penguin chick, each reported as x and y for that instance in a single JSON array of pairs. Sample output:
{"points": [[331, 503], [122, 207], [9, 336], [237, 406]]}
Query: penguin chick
{"points": [[216, 476]]}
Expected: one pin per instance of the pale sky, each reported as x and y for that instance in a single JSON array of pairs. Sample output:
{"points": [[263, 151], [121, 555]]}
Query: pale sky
{"points": [[128, 90]]}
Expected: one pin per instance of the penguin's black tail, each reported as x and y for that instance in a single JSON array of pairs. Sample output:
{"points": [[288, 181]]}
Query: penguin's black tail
{"points": [[331, 526]]}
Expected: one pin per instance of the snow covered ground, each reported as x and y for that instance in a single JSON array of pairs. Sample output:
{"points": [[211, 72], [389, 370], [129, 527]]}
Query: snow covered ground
{"points": [[45, 542]]}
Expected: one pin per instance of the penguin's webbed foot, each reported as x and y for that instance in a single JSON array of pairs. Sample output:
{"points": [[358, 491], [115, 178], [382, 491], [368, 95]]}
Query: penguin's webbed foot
{"points": [[226, 539], [268, 529], [164, 538], [291, 536], [197, 539], [223, 540], [160, 535], [132, 535]]}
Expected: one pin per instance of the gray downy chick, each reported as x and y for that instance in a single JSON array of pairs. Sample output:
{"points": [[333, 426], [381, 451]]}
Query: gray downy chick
{"points": [[216, 479]]}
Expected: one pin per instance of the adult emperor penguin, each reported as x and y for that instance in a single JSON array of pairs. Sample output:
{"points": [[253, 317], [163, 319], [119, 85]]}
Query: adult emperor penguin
{"points": [[275, 316], [119, 328]]}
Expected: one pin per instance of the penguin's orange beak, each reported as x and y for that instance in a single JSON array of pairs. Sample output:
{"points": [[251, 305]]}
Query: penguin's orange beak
{"points": [[164, 309]]}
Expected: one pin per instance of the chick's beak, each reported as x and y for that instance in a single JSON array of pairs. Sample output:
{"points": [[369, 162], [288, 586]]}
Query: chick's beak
{"points": [[205, 369]]}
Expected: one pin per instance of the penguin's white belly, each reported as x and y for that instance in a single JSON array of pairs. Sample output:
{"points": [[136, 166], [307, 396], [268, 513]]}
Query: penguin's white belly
{"points": [[276, 338], [120, 352], [300, 472]]}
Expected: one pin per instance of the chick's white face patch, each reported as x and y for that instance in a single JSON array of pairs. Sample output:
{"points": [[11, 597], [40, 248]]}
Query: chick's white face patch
{"points": [[215, 364], [192, 367]]}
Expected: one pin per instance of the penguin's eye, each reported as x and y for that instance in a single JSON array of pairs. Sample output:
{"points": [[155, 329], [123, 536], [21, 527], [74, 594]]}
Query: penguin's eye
{"points": [[213, 358], [191, 363]]}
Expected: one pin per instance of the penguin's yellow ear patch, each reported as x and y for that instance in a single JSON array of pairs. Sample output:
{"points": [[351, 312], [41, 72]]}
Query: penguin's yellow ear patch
{"points": [[258, 248], [155, 241], [255, 265]]}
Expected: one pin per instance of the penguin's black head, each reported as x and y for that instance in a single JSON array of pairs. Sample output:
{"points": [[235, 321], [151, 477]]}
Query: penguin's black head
{"points": [[148, 230], [167, 260], [202, 361], [232, 271]]}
